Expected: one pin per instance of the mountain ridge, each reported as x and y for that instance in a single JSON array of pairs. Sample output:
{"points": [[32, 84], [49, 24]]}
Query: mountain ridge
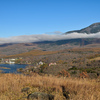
{"points": [[93, 28]]}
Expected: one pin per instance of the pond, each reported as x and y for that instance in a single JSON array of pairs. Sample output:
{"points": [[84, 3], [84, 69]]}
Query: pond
{"points": [[11, 68]]}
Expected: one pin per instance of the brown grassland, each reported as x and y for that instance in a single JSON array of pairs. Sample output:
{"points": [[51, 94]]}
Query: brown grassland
{"points": [[11, 86], [40, 52], [85, 49], [32, 53]]}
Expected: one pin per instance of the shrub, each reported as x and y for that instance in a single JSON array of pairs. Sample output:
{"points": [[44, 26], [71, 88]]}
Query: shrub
{"points": [[42, 67], [73, 68], [74, 72], [64, 73]]}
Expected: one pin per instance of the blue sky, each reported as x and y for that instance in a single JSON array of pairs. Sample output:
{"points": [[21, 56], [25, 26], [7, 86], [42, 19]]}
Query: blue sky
{"points": [[27, 17]]}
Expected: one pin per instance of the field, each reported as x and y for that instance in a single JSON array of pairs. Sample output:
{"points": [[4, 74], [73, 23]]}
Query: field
{"points": [[12, 85]]}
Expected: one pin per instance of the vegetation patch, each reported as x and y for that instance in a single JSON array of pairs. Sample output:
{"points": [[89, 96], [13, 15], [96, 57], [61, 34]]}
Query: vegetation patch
{"points": [[96, 58]]}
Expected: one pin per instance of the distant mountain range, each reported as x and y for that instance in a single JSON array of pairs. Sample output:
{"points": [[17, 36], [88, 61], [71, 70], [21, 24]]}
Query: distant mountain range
{"points": [[17, 48], [94, 28]]}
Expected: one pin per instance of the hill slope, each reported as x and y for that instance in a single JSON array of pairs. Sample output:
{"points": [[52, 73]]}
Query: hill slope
{"points": [[11, 49]]}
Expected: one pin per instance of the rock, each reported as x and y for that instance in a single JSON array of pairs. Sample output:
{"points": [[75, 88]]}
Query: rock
{"points": [[40, 96]]}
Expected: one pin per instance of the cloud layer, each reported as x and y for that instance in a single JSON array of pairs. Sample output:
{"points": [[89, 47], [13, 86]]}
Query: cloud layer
{"points": [[46, 37]]}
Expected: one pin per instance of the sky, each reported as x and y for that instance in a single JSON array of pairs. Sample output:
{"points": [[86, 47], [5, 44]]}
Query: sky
{"points": [[37, 17]]}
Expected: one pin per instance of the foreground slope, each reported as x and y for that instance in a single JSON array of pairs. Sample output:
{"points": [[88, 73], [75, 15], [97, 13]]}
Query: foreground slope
{"points": [[11, 87]]}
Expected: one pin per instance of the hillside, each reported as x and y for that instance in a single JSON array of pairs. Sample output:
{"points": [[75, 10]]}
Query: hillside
{"points": [[32, 53], [18, 48]]}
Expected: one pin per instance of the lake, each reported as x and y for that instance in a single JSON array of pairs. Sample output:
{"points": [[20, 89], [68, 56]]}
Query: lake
{"points": [[11, 68]]}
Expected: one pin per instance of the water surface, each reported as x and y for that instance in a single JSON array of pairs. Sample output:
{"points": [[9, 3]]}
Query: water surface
{"points": [[11, 68]]}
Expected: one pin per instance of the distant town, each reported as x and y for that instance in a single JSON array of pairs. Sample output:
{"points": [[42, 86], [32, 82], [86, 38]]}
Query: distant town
{"points": [[9, 60]]}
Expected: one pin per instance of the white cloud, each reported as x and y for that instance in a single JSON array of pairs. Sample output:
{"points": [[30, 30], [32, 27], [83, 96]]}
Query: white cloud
{"points": [[46, 37], [55, 32]]}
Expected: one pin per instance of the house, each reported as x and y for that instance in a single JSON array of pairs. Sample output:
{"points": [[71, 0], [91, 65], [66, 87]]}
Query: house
{"points": [[8, 61], [40, 63], [11, 61], [52, 64]]}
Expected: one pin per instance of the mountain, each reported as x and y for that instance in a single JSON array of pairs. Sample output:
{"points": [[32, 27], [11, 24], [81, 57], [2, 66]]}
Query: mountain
{"points": [[18, 48], [94, 28]]}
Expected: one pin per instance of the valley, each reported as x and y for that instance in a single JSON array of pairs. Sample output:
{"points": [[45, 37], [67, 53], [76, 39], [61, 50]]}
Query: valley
{"points": [[74, 61]]}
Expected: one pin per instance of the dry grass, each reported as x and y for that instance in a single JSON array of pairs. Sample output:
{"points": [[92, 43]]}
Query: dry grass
{"points": [[32, 53], [12, 84], [97, 58], [85, 49]]}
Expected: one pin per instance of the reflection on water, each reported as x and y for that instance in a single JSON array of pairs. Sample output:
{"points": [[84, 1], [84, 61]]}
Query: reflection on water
{"points": [[11, 68], [4, 68]]}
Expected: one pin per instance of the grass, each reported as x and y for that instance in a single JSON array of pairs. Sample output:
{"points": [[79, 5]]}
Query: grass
{"points": [[97, 58], [12, 84]]}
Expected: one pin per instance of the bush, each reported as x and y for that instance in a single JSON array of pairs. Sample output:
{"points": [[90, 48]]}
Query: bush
{"points": [[73, 68], [74, 72], [42, 67]]}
